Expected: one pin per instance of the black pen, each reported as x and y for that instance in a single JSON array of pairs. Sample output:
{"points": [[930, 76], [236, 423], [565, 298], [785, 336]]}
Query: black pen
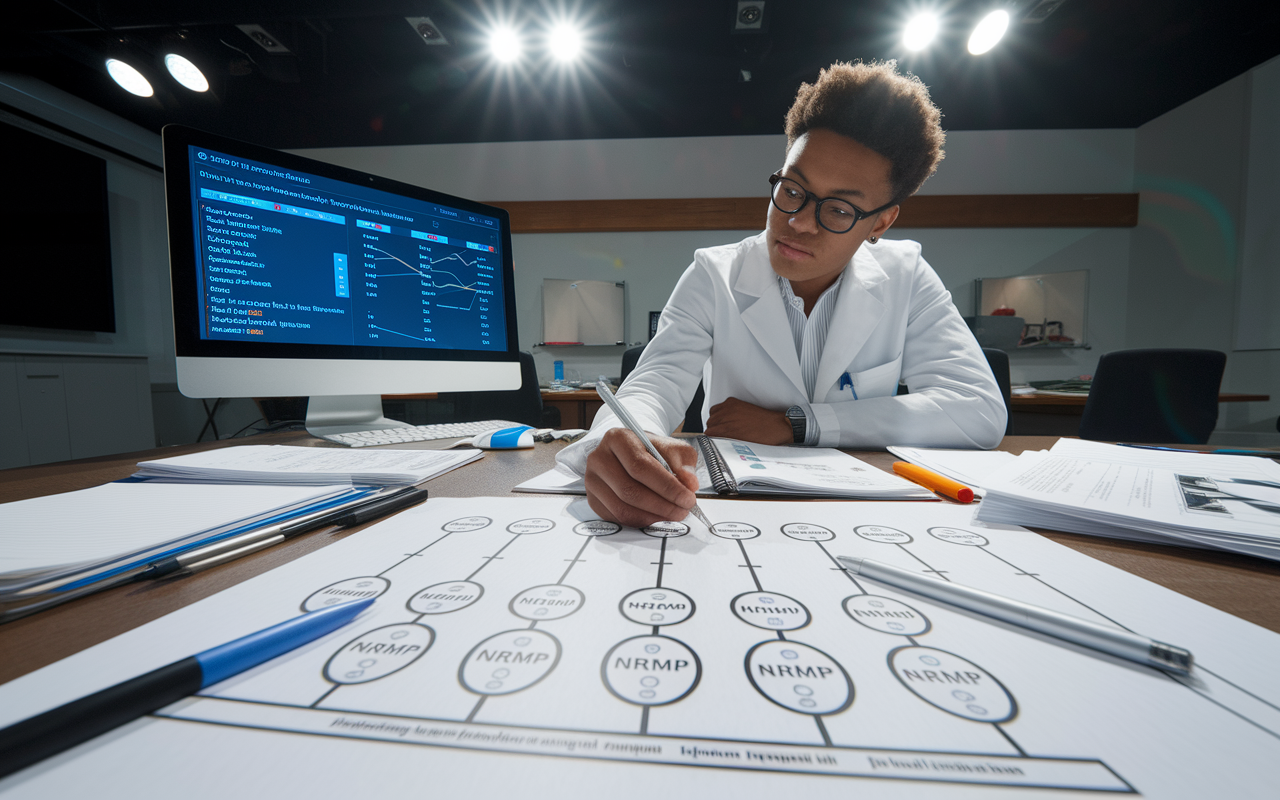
{"points": [[261, 538], [35, 738]]}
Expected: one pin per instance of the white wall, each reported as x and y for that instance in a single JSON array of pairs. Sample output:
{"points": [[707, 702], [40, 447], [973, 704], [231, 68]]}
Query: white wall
{"points": [[977, 162], [1172, 281], [1193, 169]]}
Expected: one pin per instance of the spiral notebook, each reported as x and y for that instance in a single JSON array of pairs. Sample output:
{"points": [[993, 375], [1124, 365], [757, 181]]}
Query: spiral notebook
{"points": [[735, 467], [730, 467]]}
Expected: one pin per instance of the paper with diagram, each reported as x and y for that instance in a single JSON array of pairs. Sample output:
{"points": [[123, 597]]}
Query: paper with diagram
{"points": [[520, 645]]}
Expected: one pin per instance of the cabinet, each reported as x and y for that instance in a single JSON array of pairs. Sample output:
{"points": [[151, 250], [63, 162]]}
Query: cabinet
{"points": [[55, 407]]}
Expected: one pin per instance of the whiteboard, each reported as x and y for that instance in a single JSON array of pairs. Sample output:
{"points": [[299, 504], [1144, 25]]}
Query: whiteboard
{"points": [[583, 312]]}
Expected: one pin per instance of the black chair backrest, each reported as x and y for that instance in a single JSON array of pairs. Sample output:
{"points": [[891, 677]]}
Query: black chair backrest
{"points": [[522, 405], [629, 359], [692, 415], [1154, 396], [999, 362]]}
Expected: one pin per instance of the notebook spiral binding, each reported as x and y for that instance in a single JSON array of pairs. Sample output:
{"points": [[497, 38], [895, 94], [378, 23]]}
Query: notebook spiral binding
{"points": [[721, 478]]}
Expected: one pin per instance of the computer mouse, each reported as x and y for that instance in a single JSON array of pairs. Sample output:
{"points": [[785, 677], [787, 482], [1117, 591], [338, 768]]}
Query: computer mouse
{"points": [[505, 439]]}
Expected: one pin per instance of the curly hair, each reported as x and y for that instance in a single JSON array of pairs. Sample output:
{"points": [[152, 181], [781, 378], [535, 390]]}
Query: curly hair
{"points": [[879, 108]]}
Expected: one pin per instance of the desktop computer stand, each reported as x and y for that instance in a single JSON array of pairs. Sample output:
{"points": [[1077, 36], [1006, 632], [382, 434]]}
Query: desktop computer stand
{"points": [[329, 415]]}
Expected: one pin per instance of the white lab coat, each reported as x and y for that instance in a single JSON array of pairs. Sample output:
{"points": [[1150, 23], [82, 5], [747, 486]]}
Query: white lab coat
{"points": [[725, 324]]}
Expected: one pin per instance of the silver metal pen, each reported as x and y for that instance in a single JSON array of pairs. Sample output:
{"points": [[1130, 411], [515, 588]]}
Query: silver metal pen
{"points": [[1117, 642], [606, 394]]}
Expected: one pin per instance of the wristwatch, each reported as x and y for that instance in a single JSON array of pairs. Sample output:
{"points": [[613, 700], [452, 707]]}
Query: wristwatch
{"points": [[797, 418]]}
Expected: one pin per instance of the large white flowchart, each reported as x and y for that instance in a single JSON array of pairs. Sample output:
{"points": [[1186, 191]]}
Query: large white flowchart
{"points": [[508, 628]]}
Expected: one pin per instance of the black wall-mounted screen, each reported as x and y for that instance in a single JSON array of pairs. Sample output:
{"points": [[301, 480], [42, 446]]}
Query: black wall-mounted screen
{"points": [[56, 254]]}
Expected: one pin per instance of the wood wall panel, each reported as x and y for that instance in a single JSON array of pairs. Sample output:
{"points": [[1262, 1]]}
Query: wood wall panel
{"points": [[748, 213]]}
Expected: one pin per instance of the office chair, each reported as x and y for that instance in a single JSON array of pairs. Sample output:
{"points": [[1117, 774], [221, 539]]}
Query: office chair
{"points": [[692, 415], [998, 360], [522, 405], [1154, 396]]}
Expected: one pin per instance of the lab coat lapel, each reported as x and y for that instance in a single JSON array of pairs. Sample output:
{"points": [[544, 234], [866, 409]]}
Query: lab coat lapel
{"points": [[858, 311], [765, 318]]}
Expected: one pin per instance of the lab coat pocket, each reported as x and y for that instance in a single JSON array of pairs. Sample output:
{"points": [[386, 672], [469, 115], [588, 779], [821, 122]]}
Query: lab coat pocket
{"points": [[881, 381]]}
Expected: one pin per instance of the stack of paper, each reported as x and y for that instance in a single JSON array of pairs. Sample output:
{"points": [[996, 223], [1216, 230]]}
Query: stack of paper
{"points": [[308, 466], [61, 546], [1191, 499]]}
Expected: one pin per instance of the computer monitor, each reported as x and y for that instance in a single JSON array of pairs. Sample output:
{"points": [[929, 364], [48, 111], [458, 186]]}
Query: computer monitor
{"points": [[292, 277]]}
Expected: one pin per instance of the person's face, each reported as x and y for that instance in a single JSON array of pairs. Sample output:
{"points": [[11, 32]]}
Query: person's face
{"points": [[828, 165]]}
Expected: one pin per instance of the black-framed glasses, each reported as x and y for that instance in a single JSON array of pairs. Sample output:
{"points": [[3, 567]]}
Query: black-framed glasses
{"points": [[832, 213]]}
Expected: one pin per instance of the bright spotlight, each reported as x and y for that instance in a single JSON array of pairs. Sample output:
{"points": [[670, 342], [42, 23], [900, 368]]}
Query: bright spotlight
{"points": [[920, 32], [186, 73], [989, 32], [129, 78], [565, 42], [505, 45]]}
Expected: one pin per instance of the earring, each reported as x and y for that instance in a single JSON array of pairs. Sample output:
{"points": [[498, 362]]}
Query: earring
{"points": [[873, 239]]}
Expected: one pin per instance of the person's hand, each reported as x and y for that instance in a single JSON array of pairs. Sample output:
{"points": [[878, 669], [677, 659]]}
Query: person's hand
{"points": [[628, 486], [738, 419]]}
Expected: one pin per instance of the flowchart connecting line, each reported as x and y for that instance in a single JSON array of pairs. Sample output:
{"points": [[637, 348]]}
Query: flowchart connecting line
{"points": [[527, 629]]}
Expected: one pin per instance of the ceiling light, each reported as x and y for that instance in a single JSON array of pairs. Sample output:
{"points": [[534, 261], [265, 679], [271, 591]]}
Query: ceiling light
{"points": [[989, 32], [129, 78], [565, 42], [186, 73], [504, 45], [920, 31]]}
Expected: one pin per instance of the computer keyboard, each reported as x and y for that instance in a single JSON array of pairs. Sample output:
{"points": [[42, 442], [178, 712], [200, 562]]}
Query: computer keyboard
{"points": [[419, 433]]}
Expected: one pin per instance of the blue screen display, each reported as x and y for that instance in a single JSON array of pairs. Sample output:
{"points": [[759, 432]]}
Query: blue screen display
{"points": [[289, 257]]}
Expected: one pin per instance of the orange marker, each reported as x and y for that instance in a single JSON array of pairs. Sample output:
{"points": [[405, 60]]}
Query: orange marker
{"points": [[934, 482]]}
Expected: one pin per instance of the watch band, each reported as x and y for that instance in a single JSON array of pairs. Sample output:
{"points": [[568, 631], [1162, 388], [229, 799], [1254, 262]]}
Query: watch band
{"points": [[798, 420]]}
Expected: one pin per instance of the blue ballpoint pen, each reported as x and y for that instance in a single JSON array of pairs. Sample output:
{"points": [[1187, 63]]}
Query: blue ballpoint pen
{"points": [[24, 743]]}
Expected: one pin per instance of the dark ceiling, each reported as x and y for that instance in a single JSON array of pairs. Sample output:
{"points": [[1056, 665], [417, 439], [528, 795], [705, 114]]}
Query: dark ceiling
{"points": [[357, 73]]}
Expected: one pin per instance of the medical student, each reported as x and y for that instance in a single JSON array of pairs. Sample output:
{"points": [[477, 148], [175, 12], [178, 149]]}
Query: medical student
{"points": [[802, 333]]}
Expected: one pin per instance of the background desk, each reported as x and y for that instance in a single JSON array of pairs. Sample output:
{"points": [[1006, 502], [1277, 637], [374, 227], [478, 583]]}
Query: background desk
{"points": [[1246, 587], [1059, 415], [577, 408]]}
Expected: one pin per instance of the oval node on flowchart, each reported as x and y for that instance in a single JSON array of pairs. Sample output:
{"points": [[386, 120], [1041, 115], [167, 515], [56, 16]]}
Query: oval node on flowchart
{"points": [[651, 670], [799, 678], [596, 527], [958, 536], [735, 530], [442, 598], [657, 607], [531, 525], [665, 530], [346, 591], [378, 653], [879, 533], [805, 532], [552, 601], [953, 684], [770, 610], [509, 662], [465, 524], [886, 615]]}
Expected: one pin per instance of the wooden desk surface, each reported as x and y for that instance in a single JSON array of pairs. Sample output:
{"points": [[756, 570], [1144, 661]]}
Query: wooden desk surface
{"points": [[1244, 586]]}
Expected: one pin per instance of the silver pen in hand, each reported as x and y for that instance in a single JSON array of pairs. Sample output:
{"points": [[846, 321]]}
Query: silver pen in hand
{"points": [[1117, 642], [606, 394]]}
